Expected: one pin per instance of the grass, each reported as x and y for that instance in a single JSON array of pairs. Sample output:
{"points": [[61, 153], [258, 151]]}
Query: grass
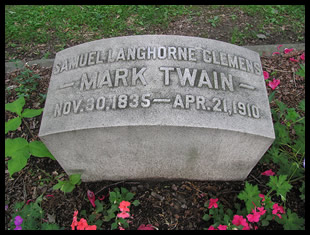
{"points": [[40, 24], [42, 29]]}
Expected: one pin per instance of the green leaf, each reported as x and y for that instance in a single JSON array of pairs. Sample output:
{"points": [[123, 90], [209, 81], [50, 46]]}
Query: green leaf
{"points": [[282, 134], [12, 124], [250, 195], [99, 206], [271, 96], [113, 225], [206, 217], [112, 197], [280, 185], [128, 196], [136, 203], [47, 226], [291, 221], [16, 106], [67, 187], [281, 106], [58, 185], [29, 113], [18, 150], [38, 149], [301, 105], [75, 178], [291, 115]]}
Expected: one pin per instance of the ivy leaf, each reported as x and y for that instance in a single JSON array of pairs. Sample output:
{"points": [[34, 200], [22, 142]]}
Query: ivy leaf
{"points": [[18, 150], [38, 149], [16, 106], [250, 195], [29, 113], [12, 124], [280, 185]]}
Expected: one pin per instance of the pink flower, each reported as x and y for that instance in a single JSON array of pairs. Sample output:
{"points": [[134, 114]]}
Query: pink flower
{"points": [[286, 50], [279, 47], [91, 227], [123, 206], [276, 53], [276, 208], [146, 227], [213, 203], [274, 83], [123, 215], [293, 60], [266, 75], [91, 197], [262, 196], [121, 228], [239, 220], [222, 227], [302, 57], [82, 224], [211, 228], [255, 217], [268, 173], [261, 210]]}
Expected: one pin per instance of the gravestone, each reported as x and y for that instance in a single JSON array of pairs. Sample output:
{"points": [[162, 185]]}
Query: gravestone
{"points": [[157, 107]]}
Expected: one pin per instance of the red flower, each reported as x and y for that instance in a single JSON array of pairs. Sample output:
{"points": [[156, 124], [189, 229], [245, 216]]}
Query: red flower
{"points": [[82, 224], [261, 210], [222, 227], [302, 57], [123, 215], [91, 227], [293, 60], [213, 203], [274, 83], [276, 53], [146, 227], [123, 206], [286, 50], [91, 197], [266, 75], [211, 228], [239, 220], [279, 47], [268, 173], [276, 208], [262, 196]]}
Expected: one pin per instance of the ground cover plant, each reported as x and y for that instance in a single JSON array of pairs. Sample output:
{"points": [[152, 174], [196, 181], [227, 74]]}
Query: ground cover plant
{"points": [[40, 195]]}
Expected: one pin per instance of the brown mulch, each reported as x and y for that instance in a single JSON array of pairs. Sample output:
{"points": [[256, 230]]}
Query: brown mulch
{"points": [[168, 205]]}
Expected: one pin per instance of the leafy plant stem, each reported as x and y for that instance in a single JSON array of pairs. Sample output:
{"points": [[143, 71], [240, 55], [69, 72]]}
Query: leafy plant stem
{"points": [[28, 129]]}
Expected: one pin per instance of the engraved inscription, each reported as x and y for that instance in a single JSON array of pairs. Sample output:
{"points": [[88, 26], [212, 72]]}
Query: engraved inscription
{"points": [[123, 101], [158, 53], [183, 77]]}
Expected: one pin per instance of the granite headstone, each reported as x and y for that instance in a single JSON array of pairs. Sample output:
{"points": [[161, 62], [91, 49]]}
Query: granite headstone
{"points": [[157, 107]]}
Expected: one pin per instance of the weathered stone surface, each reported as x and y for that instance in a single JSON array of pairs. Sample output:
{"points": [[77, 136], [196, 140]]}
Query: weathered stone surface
{"points": [[157, 107]]}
